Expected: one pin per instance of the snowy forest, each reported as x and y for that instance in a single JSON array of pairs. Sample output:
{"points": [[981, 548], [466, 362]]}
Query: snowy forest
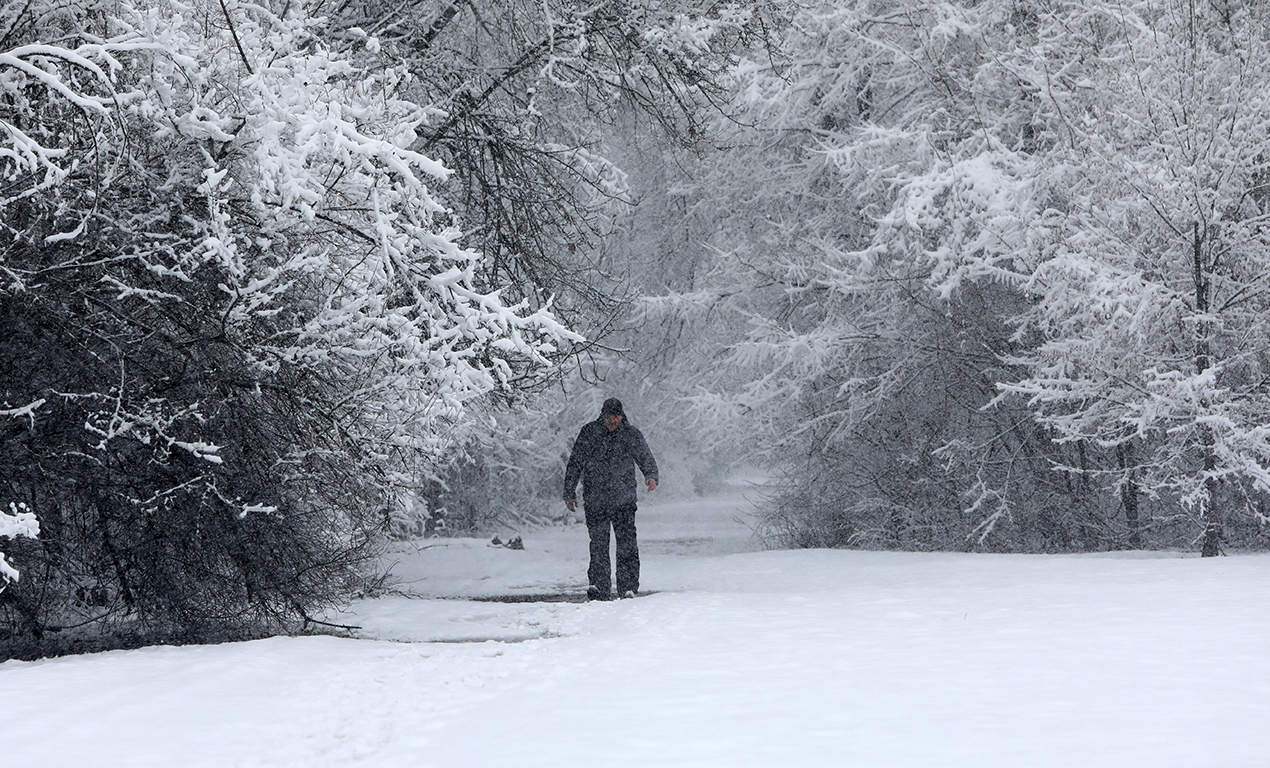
{"points": [[282, 280]]}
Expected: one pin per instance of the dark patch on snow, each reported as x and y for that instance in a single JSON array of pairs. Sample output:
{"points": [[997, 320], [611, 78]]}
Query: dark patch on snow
{"points": [[540, 597], [685, 545]]}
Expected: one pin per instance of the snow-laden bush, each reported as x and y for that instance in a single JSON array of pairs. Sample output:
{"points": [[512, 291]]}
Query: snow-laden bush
{"points": [[226, 275]]}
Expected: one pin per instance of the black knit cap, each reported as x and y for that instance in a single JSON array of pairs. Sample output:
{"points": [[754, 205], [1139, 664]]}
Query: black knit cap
{"points": [[612, 407]]}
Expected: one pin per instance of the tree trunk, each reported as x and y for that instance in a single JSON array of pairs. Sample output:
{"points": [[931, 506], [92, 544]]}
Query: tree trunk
{"points": [[1129, 495], [1211, 546]]}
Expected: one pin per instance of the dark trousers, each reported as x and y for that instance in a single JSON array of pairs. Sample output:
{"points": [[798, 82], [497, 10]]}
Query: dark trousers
{"points": [[622, 520]]}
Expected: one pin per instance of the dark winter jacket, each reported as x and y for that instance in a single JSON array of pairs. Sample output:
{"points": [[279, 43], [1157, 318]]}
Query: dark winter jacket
{"points": [[606, 462]]}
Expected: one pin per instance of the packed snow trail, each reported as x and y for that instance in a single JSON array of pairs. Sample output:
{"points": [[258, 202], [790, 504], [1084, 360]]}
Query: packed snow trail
{"points": [[803, 658]]}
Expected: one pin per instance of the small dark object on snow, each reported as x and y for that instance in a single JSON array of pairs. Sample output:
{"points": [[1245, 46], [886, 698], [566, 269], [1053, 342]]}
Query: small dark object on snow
{"points": [[516, 543], [496, 542]]}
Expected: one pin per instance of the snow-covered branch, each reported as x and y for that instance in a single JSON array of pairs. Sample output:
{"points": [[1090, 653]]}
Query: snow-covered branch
{"points": [[17, 522]]}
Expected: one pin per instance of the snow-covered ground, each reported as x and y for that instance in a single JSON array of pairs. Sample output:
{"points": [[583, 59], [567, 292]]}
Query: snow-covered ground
{"points": [[738, 658]]}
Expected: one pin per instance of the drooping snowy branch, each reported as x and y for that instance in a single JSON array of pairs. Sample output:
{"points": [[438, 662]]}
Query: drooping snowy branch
{"points": [[17, 522]]}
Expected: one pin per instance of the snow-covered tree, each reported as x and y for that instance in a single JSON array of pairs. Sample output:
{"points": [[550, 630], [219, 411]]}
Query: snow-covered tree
{"points": [[779, 295], [1092, 176], [236, 316], [1151, 205], [871, 218]]}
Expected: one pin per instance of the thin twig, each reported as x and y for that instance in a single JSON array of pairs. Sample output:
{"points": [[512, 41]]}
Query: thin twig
{"points": [[234, 32]]}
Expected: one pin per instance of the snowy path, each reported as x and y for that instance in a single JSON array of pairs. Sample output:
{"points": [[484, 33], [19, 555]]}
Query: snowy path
{"points": [[749, 659]]}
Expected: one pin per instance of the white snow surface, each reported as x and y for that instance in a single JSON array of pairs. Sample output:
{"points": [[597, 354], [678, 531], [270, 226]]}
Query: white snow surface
{"points": [[737, 657]]}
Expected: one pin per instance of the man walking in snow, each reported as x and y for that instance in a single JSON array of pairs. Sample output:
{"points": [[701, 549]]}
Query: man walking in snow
{"points": [[604, 457]]}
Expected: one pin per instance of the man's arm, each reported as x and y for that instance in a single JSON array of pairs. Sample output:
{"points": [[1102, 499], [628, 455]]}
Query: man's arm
{"points": [[573, 472], [645, 461]]}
